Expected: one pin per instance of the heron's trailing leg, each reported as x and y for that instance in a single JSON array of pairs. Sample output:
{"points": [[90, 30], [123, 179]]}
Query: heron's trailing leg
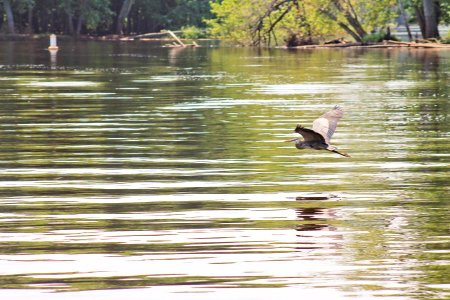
{"points": [[340, 153]]}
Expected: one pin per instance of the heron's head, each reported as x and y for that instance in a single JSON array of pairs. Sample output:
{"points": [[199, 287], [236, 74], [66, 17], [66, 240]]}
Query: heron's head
{"points": [[298, 143], [295, 140]]}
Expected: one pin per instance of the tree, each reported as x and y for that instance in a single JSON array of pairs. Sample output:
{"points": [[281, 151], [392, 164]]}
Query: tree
{"points": [[259, 20], [187, 12], [358, 18], [29, 5], [431, 19], [264, 26], [18, 15], [405, 19], [124, 11], [68, 7], [428, 13], [76, 17], [9, 16], [85, 13], [344, 14]]}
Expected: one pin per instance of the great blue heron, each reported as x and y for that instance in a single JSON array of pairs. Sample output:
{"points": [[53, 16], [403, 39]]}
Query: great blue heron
{"points": [[319, 136]]}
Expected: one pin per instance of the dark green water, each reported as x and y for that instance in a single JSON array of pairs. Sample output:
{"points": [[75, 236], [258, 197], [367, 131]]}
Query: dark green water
{"points": [[132, 171]]}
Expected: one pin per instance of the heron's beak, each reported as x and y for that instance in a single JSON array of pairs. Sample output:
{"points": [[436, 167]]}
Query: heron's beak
{"points": [[291, 140]]}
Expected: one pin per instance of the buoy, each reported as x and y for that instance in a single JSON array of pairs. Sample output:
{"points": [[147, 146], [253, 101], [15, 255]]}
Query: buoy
{"points": [[53, 45]]}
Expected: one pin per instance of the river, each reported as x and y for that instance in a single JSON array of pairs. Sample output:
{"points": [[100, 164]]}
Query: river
{"points": [[131, 170]]}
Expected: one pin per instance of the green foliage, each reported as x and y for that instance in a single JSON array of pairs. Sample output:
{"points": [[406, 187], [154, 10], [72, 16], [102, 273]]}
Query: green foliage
{"points": [[193, 32], [445, 11], [189, 13], [252, 21], [374, 37], [22, 5], [376, 13], [101, 16], [446, 39], [96, 13], [358, 18], [233, 19], [377, 37], [245, 21]]}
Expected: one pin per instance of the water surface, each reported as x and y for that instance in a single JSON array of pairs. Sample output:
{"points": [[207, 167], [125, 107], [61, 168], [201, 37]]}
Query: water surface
{"points": [[128, 169]]}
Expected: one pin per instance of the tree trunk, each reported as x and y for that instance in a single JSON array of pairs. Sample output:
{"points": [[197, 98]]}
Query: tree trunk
{"points": [[431, 19], [68, 9], [405, 19], [9, 16], [420, 19], [70, 23], [29, 29], [79, 25], [352, 18], [354, 27], [342, 25], [124, 11]]}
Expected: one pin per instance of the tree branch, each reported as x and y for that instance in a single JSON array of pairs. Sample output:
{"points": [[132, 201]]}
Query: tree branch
{"points": [[274, 6], [343, 25]]}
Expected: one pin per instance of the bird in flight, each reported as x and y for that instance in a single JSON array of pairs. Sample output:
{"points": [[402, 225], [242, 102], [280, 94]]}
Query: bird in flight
{"points": [[318, 138]]}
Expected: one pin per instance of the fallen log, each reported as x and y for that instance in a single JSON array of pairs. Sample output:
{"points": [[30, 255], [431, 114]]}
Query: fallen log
{"points": [[178, 42], [340, 45], [397, 44], [385, 44], [153, 34], [176, 38]]}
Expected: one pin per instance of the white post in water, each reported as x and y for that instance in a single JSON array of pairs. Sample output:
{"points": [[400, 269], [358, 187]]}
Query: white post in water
{"points": [[53, 45]]}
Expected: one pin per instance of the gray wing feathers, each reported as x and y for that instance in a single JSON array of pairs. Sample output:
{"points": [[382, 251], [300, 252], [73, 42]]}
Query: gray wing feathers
{"points": [[326, 124]]}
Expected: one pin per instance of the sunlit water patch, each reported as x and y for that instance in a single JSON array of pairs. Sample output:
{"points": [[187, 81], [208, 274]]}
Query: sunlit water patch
{"points": [[60, 83], [301, 88]]}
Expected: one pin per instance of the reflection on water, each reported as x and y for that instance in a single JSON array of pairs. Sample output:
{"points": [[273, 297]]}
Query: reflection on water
{"points": [[156, 173]]}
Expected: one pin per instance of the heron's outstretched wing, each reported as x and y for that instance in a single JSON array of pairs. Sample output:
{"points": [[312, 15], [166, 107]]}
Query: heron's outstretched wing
{"points": [[326, 123], [309, 135]]}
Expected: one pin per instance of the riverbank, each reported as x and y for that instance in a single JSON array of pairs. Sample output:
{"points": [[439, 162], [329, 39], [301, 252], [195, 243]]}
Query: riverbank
{"points": [[423, 44], [385, 44], [118, 38]]}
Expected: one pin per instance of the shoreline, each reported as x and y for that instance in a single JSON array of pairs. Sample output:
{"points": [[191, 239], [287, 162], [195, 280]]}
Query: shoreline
{"points": [[380, 45], [114, 37], [134, 38]]}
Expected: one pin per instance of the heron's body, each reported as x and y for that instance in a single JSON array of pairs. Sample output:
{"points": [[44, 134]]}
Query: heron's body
{"points": [[318, 138], [305, 145]]}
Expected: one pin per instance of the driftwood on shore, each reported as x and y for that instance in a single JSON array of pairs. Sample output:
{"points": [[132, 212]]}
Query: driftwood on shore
{"points": [[154, 34], [384, 44], [178, 42]]}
